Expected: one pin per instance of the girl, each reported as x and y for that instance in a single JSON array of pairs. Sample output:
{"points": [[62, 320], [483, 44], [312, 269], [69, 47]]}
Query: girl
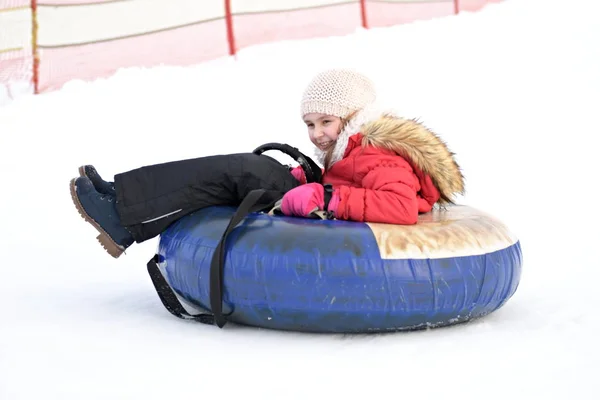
{"points": [[382, 168]]}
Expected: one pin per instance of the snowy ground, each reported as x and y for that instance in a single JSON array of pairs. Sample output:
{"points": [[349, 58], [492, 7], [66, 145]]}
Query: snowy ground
{"points": [[514, 90]]}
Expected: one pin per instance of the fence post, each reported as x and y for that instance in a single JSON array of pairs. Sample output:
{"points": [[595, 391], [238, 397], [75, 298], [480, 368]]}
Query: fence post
{"points": [[34, 47], [363, 13], [229, 23]]}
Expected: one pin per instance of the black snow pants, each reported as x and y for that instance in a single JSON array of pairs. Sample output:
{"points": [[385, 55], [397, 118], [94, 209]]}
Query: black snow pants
{"points": [[151, 198]]}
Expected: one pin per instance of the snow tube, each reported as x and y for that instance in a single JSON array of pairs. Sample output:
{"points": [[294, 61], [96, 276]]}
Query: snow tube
{"points": [[338, 276]]}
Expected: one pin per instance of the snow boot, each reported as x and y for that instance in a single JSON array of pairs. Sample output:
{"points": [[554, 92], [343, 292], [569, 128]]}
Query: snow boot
{"points": [[100, 210], [100, 184]]}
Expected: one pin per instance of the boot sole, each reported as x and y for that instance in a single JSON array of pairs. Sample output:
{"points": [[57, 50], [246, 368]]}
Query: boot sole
{"points": [[104, 238]]}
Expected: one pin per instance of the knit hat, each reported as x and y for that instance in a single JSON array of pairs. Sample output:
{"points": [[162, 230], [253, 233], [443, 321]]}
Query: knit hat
{"points": [[337, 92]]}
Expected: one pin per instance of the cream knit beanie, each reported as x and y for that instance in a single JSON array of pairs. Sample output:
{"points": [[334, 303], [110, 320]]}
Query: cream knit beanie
{"points": [[337, 92]]}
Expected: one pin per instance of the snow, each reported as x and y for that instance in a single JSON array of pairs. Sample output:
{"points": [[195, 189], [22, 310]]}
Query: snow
{"points": [[514, 90]]}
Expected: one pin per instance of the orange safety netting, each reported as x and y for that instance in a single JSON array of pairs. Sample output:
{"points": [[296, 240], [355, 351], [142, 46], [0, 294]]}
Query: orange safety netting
{"points": [[387, 13], [16, 60], [63, 55]]}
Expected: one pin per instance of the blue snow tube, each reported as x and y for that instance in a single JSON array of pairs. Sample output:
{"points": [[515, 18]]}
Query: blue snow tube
{"points": [[339, 276]]}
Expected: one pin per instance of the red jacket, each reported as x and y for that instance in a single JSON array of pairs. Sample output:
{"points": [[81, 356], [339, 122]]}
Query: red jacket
{"points": [[377, 185], [388, 169]]}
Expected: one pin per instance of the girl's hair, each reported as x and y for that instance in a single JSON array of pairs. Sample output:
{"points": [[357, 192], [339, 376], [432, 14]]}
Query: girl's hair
{"points": [[329, 150]]}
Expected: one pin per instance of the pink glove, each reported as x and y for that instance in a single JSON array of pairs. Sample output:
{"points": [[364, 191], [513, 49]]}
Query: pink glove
{"points": [[298, 173], [306, 199]]}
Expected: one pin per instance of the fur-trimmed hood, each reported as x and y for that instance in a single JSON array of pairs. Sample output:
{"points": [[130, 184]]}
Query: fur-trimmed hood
{"points": [[408, 138]]}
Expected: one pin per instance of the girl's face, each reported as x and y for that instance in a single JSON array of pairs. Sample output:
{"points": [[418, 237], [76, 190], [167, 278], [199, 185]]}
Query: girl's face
{"points": [[323, 129]]}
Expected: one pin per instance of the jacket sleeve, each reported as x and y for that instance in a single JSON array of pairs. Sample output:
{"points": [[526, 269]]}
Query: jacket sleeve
{"points": [[388, 195]]}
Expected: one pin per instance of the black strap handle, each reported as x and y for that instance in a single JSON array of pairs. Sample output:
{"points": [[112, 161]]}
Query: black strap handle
{"points": [[250, 204], [311, 170], [328, 193], [168, 297], [255, 200]]}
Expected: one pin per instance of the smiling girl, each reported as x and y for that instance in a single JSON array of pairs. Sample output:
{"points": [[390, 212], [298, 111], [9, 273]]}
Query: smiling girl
{"points": [[381, 167]]}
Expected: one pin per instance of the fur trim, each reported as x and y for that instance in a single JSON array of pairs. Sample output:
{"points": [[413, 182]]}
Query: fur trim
{"points": [[419, 145], [408, 138]]}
